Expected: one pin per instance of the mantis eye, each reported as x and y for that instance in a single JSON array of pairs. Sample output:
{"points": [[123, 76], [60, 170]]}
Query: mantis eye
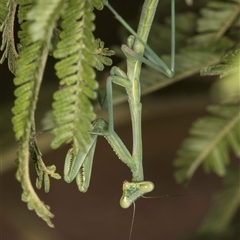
{"points": [[125, 202], [146, 187]]}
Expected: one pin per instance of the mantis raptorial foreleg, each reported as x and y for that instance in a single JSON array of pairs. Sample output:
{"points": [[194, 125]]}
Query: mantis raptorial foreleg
{"points": [[80, 166]]}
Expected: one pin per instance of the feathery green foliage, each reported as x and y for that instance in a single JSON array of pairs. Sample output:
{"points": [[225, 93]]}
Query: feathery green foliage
{"points": [[3, 12], [98, 4], [101, 55], [7, 14], [226, 205], [212, 138], [29, 73], [229, 64], [44, 21], [42, 170], [73, 43], [216, 19], [73, 111], [226, 89]]}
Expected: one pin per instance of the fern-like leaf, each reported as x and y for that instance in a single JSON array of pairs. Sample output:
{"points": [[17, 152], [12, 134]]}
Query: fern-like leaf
{"points": [[43, 171], [44, 16], [3, 12], [229, 63], [102, 55], [216, 18], [226, 90], [7, 15], [30, 68], [73, 112], [226, 203], [98, 4], [212, 137], [29, 73]]}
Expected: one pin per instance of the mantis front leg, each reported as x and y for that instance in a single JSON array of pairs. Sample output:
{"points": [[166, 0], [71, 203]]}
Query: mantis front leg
{"points": [[80, 166]]}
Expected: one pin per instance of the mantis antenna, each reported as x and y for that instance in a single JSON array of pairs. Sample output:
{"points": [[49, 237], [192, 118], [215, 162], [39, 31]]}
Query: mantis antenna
{"points": [[151, 197], [132, 222]]}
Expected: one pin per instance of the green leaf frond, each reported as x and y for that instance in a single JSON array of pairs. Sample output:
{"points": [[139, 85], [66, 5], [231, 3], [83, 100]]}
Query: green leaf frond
{"points": [[216, 19], [4, 9], [227, 89], [43, 172], [30, 67], [44, 15], [212, 138], [73, 111], [29, 195], [226, 205], [7, 16], [229, 63], [98, 4], [101, 55]]}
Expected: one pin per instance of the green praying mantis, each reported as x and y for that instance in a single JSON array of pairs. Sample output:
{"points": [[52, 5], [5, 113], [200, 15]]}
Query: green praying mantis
{"points": [[78, 165]]}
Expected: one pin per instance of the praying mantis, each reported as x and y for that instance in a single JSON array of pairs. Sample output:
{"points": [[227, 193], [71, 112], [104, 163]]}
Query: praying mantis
{"points": [[78, 165]]}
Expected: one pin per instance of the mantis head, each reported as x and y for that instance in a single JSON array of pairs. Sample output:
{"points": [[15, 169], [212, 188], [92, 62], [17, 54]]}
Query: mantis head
{"points": [[133, 190]]}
